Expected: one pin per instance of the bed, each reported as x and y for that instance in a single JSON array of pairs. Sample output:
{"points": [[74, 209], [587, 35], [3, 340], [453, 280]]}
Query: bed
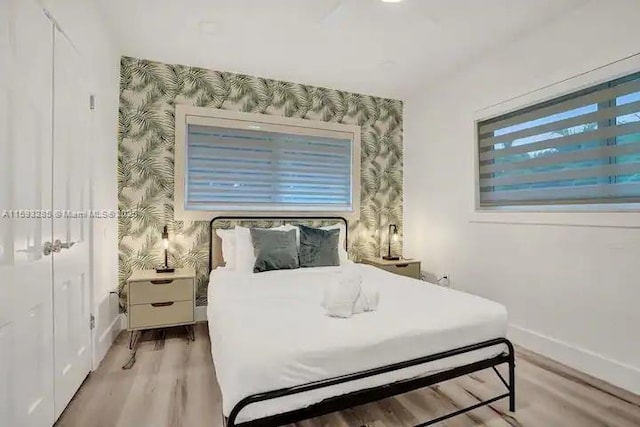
{"points": [[279, 359]]}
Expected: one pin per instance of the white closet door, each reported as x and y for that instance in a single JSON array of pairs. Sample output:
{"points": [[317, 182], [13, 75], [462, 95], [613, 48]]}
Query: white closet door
{"points": [[70, 195], [26, 338]]}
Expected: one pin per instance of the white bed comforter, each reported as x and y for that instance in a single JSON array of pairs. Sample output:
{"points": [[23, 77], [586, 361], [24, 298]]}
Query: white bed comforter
{"points": [[269, 331]]}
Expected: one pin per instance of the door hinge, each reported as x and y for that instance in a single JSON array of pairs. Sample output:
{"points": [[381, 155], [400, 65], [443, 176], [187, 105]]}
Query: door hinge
{"points": [[92, 322], [92, 102]]}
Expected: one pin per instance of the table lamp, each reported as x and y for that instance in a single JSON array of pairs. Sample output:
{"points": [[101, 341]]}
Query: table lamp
{"points": [[393, 235], [165, 244]]}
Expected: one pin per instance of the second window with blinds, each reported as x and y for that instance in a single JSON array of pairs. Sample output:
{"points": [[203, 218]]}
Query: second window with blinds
{"points": [[579, 149], [243, 163]]}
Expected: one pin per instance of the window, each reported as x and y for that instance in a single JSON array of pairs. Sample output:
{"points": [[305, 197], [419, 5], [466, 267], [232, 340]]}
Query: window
{"points": [[582, 148], [253, 163]]}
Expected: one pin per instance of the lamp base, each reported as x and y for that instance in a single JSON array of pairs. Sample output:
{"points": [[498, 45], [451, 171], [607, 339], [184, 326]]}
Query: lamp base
{"points": [[165, 269], [391, 258]]}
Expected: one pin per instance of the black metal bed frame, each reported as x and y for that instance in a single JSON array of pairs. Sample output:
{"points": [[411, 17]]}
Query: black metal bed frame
{"points": [[373, 394]]}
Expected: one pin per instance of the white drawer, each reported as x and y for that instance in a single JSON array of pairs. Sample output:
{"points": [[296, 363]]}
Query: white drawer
{"points": [[160, 290], [153, 315]]}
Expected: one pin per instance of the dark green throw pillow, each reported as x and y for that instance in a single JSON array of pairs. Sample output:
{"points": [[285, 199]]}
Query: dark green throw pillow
{"points": [[274, 250], [319, 248]]}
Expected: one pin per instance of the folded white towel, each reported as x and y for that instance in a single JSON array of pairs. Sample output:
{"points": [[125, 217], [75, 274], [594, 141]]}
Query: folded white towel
{"points": [[347, 295], [367, 300], [340, 296]]}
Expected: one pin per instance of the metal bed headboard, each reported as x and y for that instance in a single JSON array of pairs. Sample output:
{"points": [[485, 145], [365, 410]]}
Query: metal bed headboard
{"points": [[283, 219]]}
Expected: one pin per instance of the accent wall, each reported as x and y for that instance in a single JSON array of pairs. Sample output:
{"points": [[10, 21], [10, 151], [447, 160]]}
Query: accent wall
{"points": [[149, 92]]}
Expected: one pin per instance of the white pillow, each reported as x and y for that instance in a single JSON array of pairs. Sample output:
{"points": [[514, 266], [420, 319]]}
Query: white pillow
{"points": [[344, 256], [228, 238], [245, 257]]}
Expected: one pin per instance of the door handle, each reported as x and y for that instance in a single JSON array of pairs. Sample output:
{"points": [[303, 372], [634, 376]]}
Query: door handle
{"points": [[49, 247], [59, 245], [46, 248], [67, 245]]}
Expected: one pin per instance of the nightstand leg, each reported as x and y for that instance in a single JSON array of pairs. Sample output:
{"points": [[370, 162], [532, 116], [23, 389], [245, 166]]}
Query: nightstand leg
{"points": [[134, 338], [191, 331], [131, 335]]}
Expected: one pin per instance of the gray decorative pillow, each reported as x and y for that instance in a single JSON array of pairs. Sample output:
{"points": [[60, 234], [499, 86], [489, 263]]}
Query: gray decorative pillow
{"points": [[319, 248], [274, 250]]}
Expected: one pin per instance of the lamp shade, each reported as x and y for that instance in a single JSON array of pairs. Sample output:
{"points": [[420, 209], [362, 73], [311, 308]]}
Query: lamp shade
{"points": [[165, 237], [165, 244], [393, 236]]}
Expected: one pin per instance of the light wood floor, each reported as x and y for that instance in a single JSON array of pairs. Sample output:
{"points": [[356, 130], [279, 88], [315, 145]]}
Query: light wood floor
{"points": [[173, 384]]}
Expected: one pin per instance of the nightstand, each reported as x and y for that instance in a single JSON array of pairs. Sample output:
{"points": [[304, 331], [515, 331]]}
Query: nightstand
{"points": [[159, 300], [403, 267]]}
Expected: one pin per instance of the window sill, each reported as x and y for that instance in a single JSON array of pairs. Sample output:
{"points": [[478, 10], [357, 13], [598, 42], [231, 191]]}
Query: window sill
{"points": [[612, 216], [192, 215]]}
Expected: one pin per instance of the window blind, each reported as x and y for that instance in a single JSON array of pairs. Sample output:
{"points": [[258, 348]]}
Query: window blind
{"points": [[242, 169], [582, 148]]}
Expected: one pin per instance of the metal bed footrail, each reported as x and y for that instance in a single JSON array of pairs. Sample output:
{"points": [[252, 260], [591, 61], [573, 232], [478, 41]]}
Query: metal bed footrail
{"points": [[373, 394]]}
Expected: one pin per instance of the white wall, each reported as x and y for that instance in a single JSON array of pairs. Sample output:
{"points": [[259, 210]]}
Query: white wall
{"points": [[572, 291], [81, 22]]}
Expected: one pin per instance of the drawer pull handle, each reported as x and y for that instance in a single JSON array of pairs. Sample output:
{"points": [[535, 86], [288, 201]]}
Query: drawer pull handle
{"points": [[161, 282], [402, 265], [161, 304]]}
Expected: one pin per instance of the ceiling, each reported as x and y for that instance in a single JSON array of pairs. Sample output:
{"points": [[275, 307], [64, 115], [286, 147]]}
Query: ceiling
{"points": [[366, 46]]}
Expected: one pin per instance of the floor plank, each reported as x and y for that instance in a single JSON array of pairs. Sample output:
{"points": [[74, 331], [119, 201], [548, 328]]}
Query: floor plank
{"points": [[173, 384]]}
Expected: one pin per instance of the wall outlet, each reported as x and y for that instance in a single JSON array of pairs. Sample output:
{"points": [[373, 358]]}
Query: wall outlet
{"points": [[444, 280]]}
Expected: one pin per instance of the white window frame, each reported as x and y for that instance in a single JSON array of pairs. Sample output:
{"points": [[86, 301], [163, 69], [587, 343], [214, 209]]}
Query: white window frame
{"points": [[592, 215], [186, 115]]}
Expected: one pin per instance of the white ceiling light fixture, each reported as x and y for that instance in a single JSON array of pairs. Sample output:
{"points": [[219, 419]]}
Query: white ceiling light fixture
{"points": [[391, 1]]}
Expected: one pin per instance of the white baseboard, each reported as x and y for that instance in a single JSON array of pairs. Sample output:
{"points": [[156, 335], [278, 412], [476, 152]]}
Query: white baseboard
{"points": [[105, 340], [201, 313], [612, 371], [115, 323]]}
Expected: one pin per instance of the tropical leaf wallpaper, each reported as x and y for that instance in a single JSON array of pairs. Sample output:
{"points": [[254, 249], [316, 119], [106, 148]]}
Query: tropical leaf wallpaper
{"points": [[148, 93]]}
